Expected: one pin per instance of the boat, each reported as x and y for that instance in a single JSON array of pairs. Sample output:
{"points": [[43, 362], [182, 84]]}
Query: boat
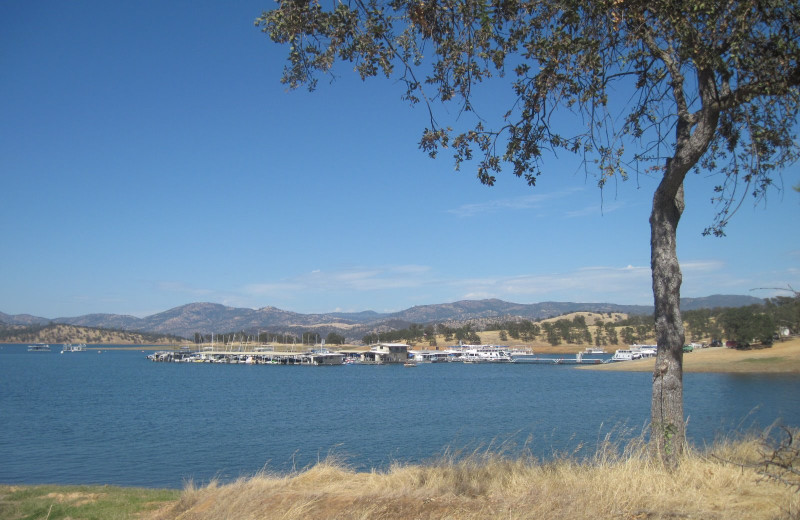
{"points": [[322, 356], [594, 350], [626, 355], [430, 356], [485, 354], [39, 347], [68, 347], [645, 350], [519, 352]]}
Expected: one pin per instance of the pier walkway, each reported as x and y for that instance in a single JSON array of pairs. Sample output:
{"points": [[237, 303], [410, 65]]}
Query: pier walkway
{"points": [[579, 359], [255, 357]]}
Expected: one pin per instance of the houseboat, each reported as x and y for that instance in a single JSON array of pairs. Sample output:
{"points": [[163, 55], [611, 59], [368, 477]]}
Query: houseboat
{"points": [[594, 350], [485, 354], [386, 353], [645, 350], [626, 355]]}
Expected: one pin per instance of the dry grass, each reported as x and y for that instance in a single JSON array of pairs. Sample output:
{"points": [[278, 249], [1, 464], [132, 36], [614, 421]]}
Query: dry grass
{"points": [[614, 484], [782, 357]]}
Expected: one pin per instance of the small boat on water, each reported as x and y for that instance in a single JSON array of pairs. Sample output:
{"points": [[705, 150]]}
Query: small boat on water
{"points": [[39, 347], [68, 347]]}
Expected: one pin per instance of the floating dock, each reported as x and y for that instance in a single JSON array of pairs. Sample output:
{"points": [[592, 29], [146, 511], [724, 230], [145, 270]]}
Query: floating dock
{"points": [[261, 356], [579, 359], [256, 357]]}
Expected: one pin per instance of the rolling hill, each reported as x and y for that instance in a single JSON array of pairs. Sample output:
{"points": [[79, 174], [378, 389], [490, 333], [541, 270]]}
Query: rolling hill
{"points": [[186, 320]]}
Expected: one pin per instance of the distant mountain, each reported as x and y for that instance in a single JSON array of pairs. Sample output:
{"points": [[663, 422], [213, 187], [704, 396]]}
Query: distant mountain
{"points": [[62, 333], [104, 321], [719, 301], [22, 319], [205, 318], [474, 309]]}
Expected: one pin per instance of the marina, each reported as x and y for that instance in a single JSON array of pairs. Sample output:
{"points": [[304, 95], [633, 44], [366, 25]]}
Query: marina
{"points": [[255, 357], [380, 354], [579, 359]]}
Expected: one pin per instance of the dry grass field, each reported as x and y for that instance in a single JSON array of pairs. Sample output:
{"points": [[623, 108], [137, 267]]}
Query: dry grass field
{"points": [[615, 484]]}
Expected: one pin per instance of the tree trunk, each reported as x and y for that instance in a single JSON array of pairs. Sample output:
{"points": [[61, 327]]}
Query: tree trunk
{"points": [[667, 423], [693, 135]]}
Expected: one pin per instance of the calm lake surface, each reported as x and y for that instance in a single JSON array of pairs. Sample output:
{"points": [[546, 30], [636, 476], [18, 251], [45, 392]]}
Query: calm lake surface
{"points": [[117, 418]]}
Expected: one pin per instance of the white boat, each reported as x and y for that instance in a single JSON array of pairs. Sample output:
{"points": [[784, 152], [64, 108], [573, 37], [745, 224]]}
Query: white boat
{"points": [[39, 347], [594, 350], [518, 352], [430, 356], [626, 355], [68, 347], [485, 354], [645, 350]]}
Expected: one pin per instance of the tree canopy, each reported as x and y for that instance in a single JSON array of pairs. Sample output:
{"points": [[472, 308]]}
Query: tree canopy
{"points": [[641, 75], [655, 87]]}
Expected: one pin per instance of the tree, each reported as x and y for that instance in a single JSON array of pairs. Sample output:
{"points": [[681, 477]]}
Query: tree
{"points": [[629, 335], [552, 334], [747, 324], [785, 311], [334, 338], [611, 331], [699, 322], [709, 86]]}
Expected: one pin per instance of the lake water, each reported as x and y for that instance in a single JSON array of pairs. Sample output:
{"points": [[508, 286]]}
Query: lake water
{"points": [[117, 418]]}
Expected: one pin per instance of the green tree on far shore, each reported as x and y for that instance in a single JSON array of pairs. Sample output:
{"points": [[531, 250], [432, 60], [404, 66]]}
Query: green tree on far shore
{"points": [[334, 338], [747, 325]]}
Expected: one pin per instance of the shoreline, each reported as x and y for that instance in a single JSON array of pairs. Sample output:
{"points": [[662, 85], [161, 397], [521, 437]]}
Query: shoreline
{"points": [[783, 357]]}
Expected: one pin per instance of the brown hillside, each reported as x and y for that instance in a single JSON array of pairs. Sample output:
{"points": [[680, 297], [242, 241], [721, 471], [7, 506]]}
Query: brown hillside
{"points": [[59, 333]]}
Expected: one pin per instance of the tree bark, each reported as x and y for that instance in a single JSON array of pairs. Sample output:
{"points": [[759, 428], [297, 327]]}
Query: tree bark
{"points": [[667, 423], [693, 135]]}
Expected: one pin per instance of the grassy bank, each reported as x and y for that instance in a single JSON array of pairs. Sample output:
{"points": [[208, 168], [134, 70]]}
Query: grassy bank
{"points": [[615, 483], [782, 357], [81, 502], [719, 483]]}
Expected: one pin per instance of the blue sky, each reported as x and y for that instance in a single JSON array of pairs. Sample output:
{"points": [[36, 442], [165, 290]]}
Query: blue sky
{"points": [[151, 158]]}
